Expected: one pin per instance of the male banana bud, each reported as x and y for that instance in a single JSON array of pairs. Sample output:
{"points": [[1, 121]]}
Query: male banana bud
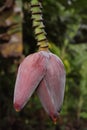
{"points": [[45, 73]]}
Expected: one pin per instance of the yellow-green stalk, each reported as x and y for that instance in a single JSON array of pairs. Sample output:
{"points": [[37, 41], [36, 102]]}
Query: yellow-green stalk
{"points": [[40, 34]]}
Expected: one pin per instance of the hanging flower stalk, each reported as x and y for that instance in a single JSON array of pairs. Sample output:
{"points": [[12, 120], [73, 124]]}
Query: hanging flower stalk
{"points": [[38, 25], [42, 72]]}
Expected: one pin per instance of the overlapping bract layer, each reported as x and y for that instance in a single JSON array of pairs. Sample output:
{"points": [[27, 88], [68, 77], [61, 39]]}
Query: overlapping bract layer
{"points": [[43, 72]]}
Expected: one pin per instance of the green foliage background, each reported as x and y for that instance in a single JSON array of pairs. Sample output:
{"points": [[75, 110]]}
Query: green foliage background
{"points": [[66, 27]]}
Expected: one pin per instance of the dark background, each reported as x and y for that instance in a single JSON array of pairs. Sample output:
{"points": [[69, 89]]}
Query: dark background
{"points": [[66, 26]]}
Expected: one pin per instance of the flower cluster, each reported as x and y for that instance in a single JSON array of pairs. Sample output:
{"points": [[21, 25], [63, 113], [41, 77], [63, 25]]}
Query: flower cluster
{"points": [[44, 73]]}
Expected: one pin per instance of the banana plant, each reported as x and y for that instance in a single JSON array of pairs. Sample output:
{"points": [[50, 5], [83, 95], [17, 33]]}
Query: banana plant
{"points": [[41, 71]]}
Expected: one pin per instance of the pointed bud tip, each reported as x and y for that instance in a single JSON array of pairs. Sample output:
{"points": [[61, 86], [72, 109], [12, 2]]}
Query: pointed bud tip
{"points": [[54, 119], [17, 107]]}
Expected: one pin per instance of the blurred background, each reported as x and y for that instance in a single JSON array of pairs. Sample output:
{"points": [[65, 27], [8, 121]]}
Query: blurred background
{"points": [[66, 26]]}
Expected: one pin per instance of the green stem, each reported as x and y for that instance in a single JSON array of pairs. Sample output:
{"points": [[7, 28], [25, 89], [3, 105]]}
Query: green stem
{"points": [[36, 14]]}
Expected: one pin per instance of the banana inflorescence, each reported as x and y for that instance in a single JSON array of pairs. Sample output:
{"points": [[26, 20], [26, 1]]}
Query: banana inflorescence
{"points": [[42, 72]]}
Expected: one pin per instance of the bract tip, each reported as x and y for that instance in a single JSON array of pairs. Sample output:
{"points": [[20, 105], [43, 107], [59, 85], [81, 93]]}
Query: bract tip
{"points": [[17, 107]]}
